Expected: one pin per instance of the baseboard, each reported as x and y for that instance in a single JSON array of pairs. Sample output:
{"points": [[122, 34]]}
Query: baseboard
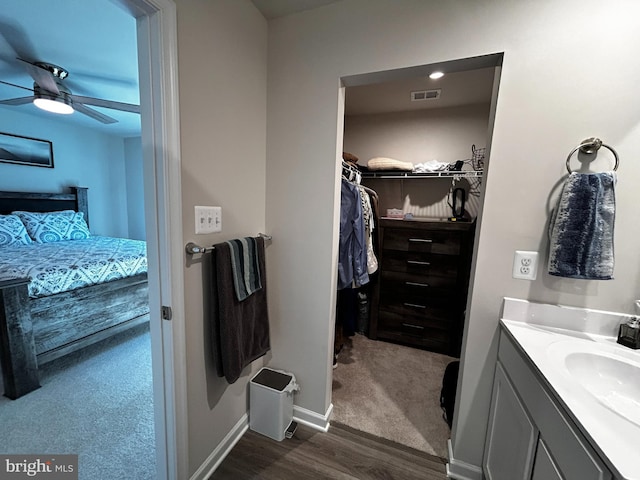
{"points": [[222, 450], [313, 419], [459, 470]]}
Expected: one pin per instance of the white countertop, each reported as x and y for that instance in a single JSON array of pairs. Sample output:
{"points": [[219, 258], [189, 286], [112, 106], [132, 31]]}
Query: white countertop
{"points": [[547, 333]]}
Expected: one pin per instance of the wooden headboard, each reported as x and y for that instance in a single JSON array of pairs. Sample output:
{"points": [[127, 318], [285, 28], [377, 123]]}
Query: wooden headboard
{"points": [[46, 202]]}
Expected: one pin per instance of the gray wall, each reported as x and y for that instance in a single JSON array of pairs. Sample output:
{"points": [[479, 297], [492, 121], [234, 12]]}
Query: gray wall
{"points": [[442, 134], [552, 95], [222, 60]]}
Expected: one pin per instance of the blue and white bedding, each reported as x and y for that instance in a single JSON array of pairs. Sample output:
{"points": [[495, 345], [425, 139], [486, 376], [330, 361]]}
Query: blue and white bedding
{"points": [[70, 264]]}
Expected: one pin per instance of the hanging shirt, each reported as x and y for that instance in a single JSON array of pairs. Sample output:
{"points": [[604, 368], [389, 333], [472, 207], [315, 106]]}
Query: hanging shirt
{"points": [[352, 258], [369, 223]]}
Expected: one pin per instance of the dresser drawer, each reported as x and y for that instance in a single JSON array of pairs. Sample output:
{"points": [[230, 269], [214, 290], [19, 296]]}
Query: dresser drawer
{"points": [[420, 281], [421, 263], [427, 316], [403, 285], [421, 240], [411, 329]]}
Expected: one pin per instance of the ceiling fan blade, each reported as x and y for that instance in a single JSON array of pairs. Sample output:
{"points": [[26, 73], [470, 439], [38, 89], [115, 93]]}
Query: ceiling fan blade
{"points": [[44, 78], [18, 41], [24, 51], [97, 102], [90, 112], [17, 101], [17, 86]]}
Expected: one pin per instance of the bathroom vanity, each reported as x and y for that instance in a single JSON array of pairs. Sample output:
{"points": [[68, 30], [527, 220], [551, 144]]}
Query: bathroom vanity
{"points": [[565, 397]]}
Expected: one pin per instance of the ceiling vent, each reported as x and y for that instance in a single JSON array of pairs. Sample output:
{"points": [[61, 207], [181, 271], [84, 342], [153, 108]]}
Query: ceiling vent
{"points": [[422, 95]]}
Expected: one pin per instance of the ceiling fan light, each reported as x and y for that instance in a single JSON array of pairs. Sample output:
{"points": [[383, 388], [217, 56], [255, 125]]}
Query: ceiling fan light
{"points": [[60, 105]]}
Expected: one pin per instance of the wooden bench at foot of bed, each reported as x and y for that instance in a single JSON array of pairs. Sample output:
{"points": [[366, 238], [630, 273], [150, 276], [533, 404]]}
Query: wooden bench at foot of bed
{"points": [[34, 331]]}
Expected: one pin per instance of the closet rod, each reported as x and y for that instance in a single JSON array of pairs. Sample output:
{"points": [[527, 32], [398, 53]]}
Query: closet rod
{"points": [[193, 248]]}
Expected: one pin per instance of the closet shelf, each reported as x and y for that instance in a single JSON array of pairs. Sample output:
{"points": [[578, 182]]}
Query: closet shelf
{"points": [[403, 175]]}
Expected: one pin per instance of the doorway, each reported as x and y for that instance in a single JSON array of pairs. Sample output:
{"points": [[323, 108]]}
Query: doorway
{"points": [[156, 44], [421, 147]]}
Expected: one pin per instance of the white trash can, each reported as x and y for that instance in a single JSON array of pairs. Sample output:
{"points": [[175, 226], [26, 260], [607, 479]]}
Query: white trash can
{"points": [[271, 402]]}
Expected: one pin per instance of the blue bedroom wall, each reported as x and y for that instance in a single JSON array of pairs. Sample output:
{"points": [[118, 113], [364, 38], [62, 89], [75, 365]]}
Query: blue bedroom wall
{"points": [[135, 190], [82, 157]]}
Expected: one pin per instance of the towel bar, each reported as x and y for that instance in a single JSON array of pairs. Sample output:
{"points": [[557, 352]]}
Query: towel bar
{"points": [[590, 146], [193, 248]]}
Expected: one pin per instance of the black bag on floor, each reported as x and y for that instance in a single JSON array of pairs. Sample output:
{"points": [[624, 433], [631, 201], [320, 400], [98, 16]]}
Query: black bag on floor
{"points": [[448, 392]]}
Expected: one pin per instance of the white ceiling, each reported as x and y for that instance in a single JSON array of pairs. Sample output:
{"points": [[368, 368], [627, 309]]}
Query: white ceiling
{"points": [[457, 88], [94, 40], [280, 8]]}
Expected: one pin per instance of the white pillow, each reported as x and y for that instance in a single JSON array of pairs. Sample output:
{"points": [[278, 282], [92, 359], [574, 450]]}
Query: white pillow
{"points": [[54, 226], [12, 231]]}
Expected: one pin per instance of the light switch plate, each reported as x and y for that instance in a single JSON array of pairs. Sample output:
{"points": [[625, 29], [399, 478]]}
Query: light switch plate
{"points": [[208, 219]]}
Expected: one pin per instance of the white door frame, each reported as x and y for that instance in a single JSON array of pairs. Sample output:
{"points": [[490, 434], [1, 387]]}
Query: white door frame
{"points": [[158, 72]]}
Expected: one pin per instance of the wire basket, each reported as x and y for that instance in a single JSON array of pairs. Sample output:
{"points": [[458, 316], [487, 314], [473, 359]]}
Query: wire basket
{"points": [[477, 157]]}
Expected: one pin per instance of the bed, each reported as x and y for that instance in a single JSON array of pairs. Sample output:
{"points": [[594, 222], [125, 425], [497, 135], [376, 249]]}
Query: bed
{"points": [[63, 295]]}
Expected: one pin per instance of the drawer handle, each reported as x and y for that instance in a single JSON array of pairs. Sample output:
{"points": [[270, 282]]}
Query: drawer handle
{"points": [[416, 262], [421, 240], [413, 326], [415, 305], [416, 284]]}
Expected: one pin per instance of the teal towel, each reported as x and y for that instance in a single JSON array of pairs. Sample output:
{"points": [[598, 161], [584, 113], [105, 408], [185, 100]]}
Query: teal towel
{"points": [[244, 263]]}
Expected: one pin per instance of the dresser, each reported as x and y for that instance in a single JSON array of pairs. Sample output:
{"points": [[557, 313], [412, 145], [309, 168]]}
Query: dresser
{"points": [[421, 293]]}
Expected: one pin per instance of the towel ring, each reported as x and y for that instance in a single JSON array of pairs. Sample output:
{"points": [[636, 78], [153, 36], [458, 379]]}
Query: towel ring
{"points": [[589, 146]]}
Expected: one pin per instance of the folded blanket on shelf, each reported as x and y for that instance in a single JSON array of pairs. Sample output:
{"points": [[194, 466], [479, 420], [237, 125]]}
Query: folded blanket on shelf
{"points": [[431, 166], [581, 228], [382, 163]]}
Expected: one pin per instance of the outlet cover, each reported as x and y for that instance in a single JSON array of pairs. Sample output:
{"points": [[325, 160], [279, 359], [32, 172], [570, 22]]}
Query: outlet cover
{"points": [[525, 265]]}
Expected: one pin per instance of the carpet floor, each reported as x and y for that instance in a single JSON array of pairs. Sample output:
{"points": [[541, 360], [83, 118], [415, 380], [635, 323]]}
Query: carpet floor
{"points": [[393, 392], [96, 403]]}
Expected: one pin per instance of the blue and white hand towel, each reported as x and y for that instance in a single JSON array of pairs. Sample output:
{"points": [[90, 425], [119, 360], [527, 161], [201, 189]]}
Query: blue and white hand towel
{"points": [[581, 227], [244, 263]]}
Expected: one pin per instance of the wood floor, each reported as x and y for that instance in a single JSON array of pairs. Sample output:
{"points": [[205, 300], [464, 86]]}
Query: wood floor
{"points": [[341, 453]]}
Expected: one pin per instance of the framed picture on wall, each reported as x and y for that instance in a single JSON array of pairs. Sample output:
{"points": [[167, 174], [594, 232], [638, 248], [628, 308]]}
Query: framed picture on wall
{"points": [[25, 150]]}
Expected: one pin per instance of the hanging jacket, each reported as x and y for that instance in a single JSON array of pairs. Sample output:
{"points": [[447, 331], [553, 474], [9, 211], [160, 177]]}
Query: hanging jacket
{"points": [[352, 258]]}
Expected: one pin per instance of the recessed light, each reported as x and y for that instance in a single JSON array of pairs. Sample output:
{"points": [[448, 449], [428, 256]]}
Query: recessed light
{"points": [[436, 75]]}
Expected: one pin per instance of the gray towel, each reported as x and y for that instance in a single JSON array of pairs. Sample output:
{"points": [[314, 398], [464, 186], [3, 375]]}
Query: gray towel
{"points": [[240, 329], [581, 227], [244, 263]]}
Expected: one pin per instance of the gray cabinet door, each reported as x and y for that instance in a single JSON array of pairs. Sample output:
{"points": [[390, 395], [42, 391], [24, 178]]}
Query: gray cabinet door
{"points": [[544, 467], [511, 436]]}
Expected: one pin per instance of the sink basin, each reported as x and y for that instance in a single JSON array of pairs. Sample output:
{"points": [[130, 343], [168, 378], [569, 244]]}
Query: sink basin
{"points": [[609, 374]]}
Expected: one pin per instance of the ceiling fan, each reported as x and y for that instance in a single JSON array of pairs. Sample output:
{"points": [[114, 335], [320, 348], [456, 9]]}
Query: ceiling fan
{"points": [[49, 91]]}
